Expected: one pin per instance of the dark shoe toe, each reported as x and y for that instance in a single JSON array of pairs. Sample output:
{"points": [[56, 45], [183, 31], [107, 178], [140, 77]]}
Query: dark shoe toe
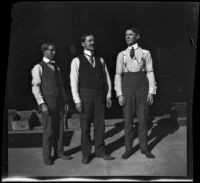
{"points": [[108, 157], [126, 155], [65, 157], [48, 162], [148, 154], [105, 157], [85, 160]]}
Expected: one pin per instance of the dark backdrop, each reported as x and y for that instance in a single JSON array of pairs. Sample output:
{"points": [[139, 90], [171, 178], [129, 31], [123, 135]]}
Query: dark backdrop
{"points": [[168, 30]]}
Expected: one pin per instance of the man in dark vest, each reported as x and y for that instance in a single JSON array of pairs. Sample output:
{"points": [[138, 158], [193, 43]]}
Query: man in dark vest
{"points": [[91, 90], [135, 85], [51, 97]]}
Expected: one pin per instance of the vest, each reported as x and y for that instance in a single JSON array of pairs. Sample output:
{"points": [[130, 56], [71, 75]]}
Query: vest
{"points": [[49, 81], [92, 77]]}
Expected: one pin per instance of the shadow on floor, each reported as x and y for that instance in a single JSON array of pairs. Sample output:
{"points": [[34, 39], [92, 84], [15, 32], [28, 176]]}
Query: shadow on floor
{"points": [[118, 127], [163, 128]]}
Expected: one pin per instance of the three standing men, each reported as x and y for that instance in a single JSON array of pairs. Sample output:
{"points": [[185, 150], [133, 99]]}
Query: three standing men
{"points": [[91, 90], [135, 86], [50, 95]]}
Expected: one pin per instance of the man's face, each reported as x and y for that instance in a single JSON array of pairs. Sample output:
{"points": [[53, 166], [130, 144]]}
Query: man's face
{"points": [[50, 52], [89, 43], [131, 37]]}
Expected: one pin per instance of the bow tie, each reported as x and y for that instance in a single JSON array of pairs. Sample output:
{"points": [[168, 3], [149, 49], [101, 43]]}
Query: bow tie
{"points": [[51, 62]]}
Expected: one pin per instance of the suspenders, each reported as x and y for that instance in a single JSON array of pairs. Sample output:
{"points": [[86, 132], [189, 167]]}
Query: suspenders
{"points": [[143, 68], [124, 61]]}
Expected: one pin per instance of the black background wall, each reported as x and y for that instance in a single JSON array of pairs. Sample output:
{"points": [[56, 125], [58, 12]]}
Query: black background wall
{"points": [[168, 30]]}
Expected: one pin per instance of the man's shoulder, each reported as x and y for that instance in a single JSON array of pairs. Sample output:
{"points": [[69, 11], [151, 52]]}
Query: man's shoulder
{"points": [[37, 68], [145, 51], [39, 64], [101, 60], [123, 52], [79, 55], [99, 57], [77, 58]]}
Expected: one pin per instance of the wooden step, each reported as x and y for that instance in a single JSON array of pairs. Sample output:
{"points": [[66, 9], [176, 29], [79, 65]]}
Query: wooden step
{"points": [[74, 124], [74, 121]]}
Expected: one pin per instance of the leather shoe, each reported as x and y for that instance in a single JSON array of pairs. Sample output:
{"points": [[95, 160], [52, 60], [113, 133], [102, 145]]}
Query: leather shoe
{"points": [[48, 162], [65, 157], [85, 160], [148, 154], [105, 157], [127, 154]]}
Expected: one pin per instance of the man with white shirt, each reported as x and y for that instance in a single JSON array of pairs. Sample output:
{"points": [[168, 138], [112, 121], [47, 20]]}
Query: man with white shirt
{"points": [[91, 89], [135, 85], [51, 98]]}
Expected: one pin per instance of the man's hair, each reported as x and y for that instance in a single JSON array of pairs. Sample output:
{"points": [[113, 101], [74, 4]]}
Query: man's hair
{"points": [[45, 45], [83, 37], [135, 30]]}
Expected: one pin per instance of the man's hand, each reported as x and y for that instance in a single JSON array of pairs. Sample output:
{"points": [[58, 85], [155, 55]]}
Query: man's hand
{"points": [[108, 102], [78, 107], [121, 100], [44, 108], [66, 108], [150, 99]]}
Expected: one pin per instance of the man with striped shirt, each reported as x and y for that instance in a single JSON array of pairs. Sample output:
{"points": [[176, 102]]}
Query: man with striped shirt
{"points": [[135, 86]]}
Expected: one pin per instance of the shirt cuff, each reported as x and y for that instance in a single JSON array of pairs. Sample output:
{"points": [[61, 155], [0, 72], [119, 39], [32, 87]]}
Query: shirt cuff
{"points": [[152, 90], [109, 95], [78, 100], [41, 101], [119, 93]]}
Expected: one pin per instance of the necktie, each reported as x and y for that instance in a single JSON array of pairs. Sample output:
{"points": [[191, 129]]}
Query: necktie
{"points": [[132, 52], [92, 60]]}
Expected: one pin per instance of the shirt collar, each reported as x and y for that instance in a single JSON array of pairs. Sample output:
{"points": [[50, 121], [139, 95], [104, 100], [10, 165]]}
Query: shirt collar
{"points": [[48, 60], [87, 52], [135, 46]]}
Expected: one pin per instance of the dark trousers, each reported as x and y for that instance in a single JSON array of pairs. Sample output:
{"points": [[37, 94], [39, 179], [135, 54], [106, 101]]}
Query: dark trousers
{"points": [[93, 111], [135, 90], [53, 128]]}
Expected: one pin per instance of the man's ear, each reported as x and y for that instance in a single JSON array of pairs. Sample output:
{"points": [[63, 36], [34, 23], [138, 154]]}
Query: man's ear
{"points": [[138, 36]]}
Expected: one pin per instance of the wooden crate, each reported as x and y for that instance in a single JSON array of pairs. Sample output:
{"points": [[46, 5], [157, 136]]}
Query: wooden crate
{"points": [[20, 125], [11, 114], [23, 122]]}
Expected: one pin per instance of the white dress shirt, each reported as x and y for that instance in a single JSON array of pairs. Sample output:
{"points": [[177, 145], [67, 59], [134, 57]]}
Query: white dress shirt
{"points": [[36, 80], [141, 61], [74, 76]]}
